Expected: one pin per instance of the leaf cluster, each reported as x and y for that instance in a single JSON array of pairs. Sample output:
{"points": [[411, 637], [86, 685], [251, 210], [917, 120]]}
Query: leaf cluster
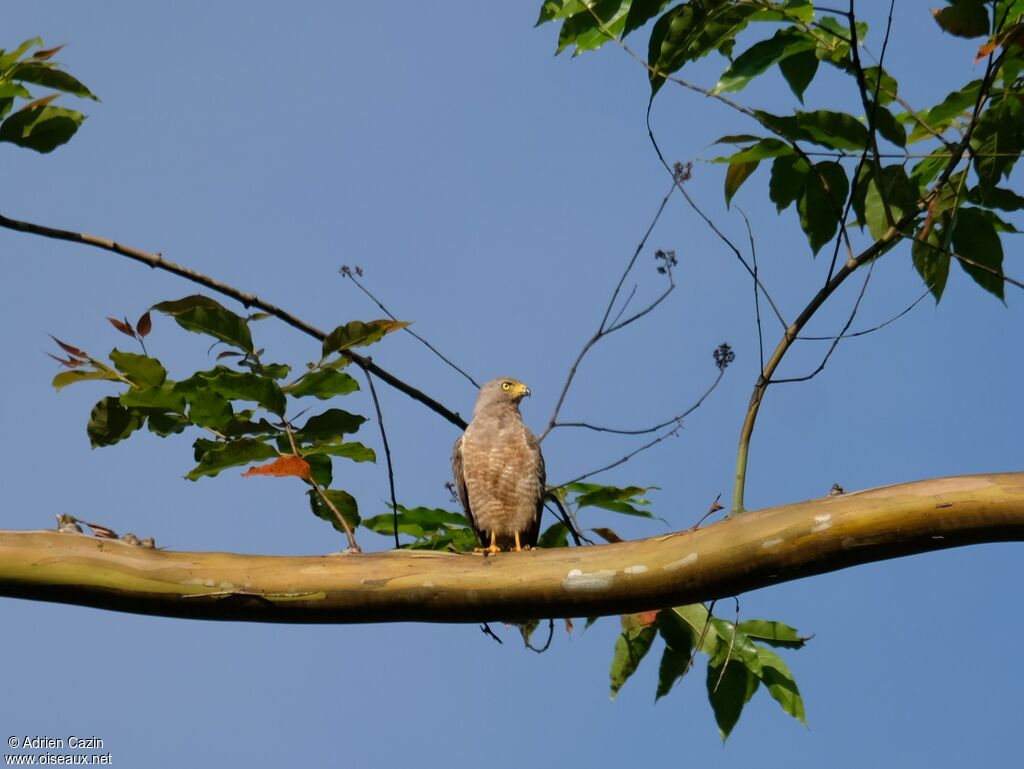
{"points": [[933, 175], [740, 659], [37, 124], [244, 407]]}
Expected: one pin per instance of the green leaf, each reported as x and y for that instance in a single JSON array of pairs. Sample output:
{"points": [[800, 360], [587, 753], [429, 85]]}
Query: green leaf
{"points": [[799, 70], [323, 384], [553, 10], [964, 18], [763, 55], [163, 424], [203, 315], [344, 502], [215, 456], [765, 148], [998, 141], [975, 237], [835, 130], [931, 261], [353, 450], [692, 30], [42, 129], [110, 422], [49, 76], [673, 666], [889, 127], [821, 203], [886, 90], [734, 643], [593, 26], [997, 197], [630, 648], [728, 692], [641, 12], [320, 465], [736, 175], [7, 59], [773, 632], [780, 684], [332, 424], [555, 535], [208, 409], [236, 385], [618, 500], [143, 371], [941, 116], [273, 370], [892, 188], [680, 638], [698, 619], [358, 334], [163, 398], [433, 529], [789, 176]]}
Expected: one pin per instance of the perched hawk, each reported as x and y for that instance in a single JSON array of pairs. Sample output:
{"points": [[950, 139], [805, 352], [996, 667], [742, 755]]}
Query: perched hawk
{"points": [[499, 470]]}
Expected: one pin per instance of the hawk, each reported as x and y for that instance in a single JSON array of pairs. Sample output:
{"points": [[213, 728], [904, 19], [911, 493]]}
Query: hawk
{"points": [[499, 470]]}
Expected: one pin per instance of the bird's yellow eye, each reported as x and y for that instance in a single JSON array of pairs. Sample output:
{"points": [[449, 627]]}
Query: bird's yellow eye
{"points": [[506, 385]]}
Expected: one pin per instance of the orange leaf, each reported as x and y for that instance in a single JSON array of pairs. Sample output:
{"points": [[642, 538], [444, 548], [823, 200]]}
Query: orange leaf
{"points": [[985, 50], [647, 618], [145, 324], [282, 467]]}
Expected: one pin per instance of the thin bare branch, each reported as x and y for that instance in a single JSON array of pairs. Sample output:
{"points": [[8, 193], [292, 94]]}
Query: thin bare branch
{"points": [[604, 329], [348, 273], [156, 261], [387, 454], [650, 444], [677, 419], [871, 330]]}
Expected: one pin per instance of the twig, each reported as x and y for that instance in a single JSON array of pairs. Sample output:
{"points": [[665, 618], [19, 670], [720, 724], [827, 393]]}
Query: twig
{"points": [[349, 274], [387, 454], [879, 327], [352, 546], [732, 642], [757, 292], [714, 508], [604, 328], [156, 261], [671, 433], [641, 431], [544, 648], [486, 630], [567, 520], [678, 178]]}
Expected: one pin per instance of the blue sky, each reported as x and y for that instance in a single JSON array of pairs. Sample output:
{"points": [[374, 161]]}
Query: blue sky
{"points": [[492, 193]]}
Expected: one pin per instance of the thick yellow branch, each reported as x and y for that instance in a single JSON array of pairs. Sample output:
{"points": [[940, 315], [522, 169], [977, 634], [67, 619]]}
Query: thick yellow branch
{"points": [[742, 553]]}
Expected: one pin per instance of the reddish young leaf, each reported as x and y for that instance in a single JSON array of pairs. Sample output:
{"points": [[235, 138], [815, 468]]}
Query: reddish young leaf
{"points": [[69, 349], [70, 362], [144, 324], [282, 467], [123, 326], [39, 102], [607, 534], [48, 53]]}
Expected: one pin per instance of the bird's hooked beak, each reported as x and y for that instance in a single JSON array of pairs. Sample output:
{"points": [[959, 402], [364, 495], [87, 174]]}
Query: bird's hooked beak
{"points": [[522, 390]]}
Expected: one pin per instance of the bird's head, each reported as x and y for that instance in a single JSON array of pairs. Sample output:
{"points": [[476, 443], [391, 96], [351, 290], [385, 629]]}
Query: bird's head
{"points": [[502, 390]]}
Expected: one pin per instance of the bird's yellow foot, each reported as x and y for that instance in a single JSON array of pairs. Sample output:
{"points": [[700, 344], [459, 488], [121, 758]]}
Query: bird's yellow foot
{"points": [[490, 549]]}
